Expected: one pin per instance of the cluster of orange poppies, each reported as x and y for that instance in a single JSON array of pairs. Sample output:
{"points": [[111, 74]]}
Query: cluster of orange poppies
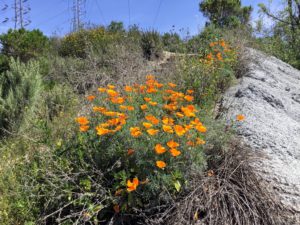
{"points": [[219, 49], [169, 118]]}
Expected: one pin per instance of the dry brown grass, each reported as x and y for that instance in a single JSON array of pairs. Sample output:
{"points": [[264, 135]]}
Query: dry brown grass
{"points": [[233, 194]]}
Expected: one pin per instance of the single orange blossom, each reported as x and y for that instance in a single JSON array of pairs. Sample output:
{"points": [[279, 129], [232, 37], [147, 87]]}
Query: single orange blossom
{"points": [[132, 185], [174, 152], [161, 164], [159, 149], [240, 117], [172, 144]]}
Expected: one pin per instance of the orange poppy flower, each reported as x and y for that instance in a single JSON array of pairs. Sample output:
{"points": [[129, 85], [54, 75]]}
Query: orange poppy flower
{"points": [[167, 121], [240, 117], [142, 88], [111, 86], [172, 85], [188, 127], [110, 113], [102, 90], [153, 103], [180, 115], [196, 122], [159, 149], [152, 132], [201, 128], [189, 98], [151, 90], [84, 128], [147, 125], [219, 56], [172, 144], [128, 89], [130, 152], [222, 43], [117, 100], [190, 91], [147, 99], [130, 108], [99, 109], [179, 130], [112, 93], [168, 129], [152, 119], [209, 57], [135, 131], [117, 128], [132, 185], [174, 152], [158, 85], [171, 107], [102, 131], [199, 141], [123, 107], [188, 111], [91, 97], [82, 121], [161, 164], [144, 107]]}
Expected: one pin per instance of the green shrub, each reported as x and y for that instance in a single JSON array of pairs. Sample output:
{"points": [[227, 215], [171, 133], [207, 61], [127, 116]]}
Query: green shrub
{"points": [[79, 44], [172, 42], [210, 74], [199, 43], [151, 44], [100, 162], [20, 89], [23, 44]]}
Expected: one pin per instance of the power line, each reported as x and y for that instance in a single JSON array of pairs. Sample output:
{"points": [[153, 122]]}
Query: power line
{"points": [[157, 12], [53, 17]]}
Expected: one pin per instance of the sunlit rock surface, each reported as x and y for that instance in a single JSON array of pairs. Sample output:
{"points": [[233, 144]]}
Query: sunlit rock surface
{"points": [[268, 94]]}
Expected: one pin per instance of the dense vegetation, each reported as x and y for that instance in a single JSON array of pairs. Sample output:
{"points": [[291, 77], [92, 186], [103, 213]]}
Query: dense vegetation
{"points": [[90, 136]]}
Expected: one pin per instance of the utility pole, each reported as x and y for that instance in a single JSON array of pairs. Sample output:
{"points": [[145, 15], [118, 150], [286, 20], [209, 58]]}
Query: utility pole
{"points": [[21, 8], [78, 14]]}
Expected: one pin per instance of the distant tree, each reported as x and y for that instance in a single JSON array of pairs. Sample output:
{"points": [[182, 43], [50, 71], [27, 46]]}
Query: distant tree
{"points": [[288, 17], [116, 27], [172, 42], [226, 13], [284, 38], [23, 44]]}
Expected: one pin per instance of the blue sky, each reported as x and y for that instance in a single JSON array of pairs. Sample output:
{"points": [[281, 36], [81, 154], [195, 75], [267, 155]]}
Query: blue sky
{"points": [[54, 16]]}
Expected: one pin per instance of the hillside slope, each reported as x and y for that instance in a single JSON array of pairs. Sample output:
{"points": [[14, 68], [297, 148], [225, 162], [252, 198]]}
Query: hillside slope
{"points": [[268, 94]]}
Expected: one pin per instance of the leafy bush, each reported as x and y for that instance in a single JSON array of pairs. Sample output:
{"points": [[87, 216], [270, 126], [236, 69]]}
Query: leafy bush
{"points": [[151, 44], [172, 42], [212, 74], [135, 150], [199, 43], [79, 43], [23, 44], [20, 89]]}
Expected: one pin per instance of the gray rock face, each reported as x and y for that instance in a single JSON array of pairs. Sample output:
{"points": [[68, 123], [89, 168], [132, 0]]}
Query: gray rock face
{"points": [[268, 95]]}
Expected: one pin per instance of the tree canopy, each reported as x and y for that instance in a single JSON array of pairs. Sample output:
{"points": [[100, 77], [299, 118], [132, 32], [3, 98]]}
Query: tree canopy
{"points": [[226, 13]]}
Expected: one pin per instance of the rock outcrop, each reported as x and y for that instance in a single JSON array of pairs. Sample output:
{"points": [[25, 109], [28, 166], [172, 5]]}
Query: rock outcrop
{"points": [[268, 94]]}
